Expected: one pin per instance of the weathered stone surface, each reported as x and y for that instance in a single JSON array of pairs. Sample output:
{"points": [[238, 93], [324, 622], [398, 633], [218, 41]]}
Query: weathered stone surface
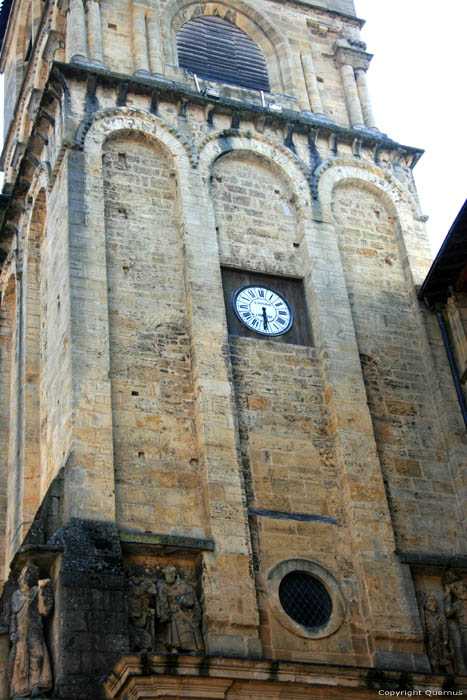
{"points": [[137, 435]]}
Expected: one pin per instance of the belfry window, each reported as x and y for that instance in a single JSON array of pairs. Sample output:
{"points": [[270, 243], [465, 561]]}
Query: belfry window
{"points": [[216, 49]]}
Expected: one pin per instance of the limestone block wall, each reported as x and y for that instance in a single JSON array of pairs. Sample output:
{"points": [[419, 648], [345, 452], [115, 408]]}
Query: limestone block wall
{"points": [[405, 420], [256, 215], [56, 312], [298, 41], [117, 361], [138, 225], [40, 372], [289, 465], [8, 402], [155, 448]]}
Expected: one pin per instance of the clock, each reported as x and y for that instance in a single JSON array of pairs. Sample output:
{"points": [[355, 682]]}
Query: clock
{"points": [[263, 310]]}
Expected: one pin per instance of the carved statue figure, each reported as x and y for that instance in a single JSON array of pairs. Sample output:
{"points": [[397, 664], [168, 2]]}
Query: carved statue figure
{"points": [[384, 160], [141, 613], [178, 606], [30, 669], [455, 609], [437, 638]]}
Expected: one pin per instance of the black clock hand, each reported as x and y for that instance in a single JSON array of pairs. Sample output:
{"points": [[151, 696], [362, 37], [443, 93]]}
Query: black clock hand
{"points": [[265, 318]]}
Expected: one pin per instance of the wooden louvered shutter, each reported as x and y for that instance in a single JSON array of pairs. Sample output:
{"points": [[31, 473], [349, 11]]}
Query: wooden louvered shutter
{"points": [[216, 49]]}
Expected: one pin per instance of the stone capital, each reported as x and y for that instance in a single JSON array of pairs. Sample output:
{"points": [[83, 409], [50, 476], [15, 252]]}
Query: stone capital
{"points": [[55, 41], [348, 55]]}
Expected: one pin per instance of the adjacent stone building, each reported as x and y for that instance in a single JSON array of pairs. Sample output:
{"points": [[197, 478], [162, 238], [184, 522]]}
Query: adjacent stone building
{"points": [[232, 458]]}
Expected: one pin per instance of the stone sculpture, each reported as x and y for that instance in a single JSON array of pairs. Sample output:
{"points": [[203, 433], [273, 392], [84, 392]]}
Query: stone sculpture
{"points": [[141, 612], [30, 669], [179, 609], [437, 640], [455, 609]]}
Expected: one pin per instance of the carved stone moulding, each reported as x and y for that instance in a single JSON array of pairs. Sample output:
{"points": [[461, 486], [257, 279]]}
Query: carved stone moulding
{"points": [[147, 676]]}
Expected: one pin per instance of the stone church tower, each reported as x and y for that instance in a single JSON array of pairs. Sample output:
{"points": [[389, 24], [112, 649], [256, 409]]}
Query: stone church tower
{"points": [[232, 459]]}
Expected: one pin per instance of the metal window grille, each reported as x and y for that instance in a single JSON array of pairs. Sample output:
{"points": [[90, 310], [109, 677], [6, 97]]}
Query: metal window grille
{"points": [[213, 48], [305, 599]]}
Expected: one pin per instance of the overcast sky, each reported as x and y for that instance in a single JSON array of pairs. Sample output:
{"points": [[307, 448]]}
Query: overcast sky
{"points": [[419, 94]]}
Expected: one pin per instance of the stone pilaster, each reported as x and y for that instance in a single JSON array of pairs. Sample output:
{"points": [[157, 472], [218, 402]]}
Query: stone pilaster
{"points": [[311, 83], [302, 94], [230, 604], [140, 40], [94, 31], [367, 109], [154, 44], [351, 95], [76, 43], [352, 59]]}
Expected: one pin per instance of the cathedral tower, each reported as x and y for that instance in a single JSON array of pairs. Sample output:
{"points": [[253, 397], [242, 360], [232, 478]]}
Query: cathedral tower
{"points": [[232, 461]]}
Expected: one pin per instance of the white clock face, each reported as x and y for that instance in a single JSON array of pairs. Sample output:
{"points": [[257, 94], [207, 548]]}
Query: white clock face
{"points": [[263, 310]]}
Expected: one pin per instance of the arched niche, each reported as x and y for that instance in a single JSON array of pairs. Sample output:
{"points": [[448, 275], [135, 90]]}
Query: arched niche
{"points": [[257, 213], [390, 330], [154, 434]]}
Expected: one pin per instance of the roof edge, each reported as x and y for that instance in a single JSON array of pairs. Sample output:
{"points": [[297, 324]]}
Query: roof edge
{"points": [[461, 216]]}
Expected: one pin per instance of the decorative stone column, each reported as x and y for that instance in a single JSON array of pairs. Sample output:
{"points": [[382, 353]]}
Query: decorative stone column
{"points": [[76, 44], [94, 27], [351, 95], [311, 84], [302, 94], [140, 40], [351, 58], [367, 109], [154, 43]]}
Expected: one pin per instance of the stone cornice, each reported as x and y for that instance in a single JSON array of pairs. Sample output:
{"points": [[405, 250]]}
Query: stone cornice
{"points": [[144, 675], [145, 542], [157, 88], [447, 561], [303, 122]]}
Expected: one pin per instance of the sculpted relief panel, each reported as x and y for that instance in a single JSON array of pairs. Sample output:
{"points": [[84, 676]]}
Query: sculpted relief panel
{"points": [[164, 612], [444, 619]]}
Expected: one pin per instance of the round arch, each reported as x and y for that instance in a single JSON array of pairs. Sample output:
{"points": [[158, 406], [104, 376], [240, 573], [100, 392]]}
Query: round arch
{"points": [[336, 171], [291, 166], [399, 201], [107, 123]]}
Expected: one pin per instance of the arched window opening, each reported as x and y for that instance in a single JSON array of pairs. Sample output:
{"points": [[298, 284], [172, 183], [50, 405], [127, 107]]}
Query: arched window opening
{"points": [[216, 49]]}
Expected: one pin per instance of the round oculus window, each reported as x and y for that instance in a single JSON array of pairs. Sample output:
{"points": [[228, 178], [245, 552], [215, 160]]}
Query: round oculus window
{"points": [[305, 600]]}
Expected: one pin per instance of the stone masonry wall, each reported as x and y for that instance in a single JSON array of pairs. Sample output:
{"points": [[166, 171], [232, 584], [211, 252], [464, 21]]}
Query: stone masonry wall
{"points": [[296, 28], [289, 465], [7, 359], [409, 442], [56, 380], [256, 215], [155, 447]]}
